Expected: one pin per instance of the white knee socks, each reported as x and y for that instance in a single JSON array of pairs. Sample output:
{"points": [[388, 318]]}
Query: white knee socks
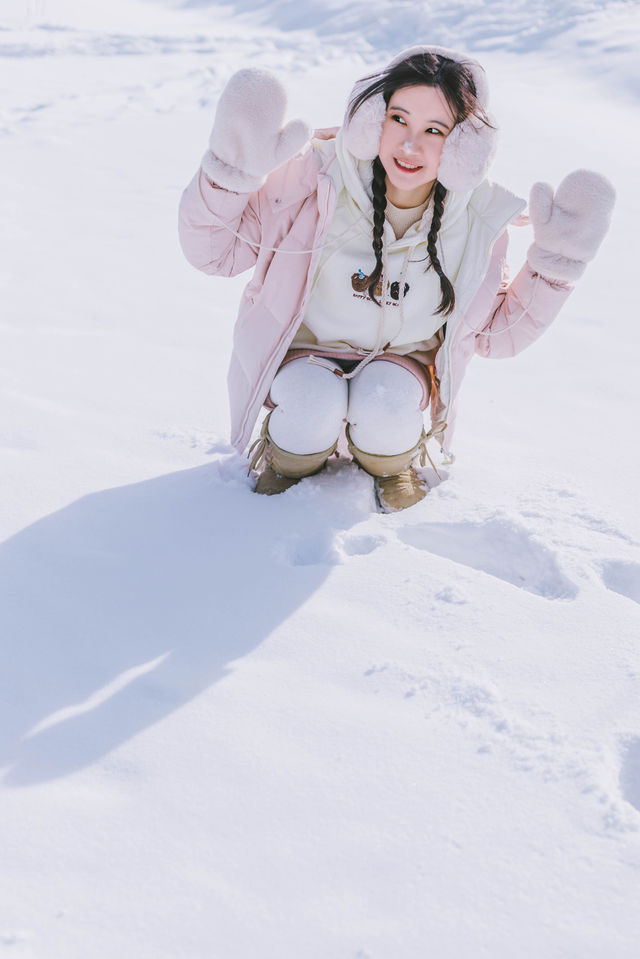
{"points": [[384, 409], [311, 405], [381, 404]]}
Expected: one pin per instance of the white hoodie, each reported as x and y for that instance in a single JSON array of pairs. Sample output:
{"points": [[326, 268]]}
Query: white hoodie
{"points": [[340, 314]]}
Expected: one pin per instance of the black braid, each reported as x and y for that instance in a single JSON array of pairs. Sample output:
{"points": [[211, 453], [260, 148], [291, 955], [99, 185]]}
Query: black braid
{"points": [[379, 188], [448, 300]]}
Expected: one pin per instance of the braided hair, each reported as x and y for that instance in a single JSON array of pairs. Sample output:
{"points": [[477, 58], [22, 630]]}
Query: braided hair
{"points": [[448, 300], [379, 188], [456, 83]]}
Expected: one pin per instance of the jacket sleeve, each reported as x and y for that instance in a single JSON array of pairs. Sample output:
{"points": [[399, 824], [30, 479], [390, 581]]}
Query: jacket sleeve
{"points": [[521, 311], [208, 219]]}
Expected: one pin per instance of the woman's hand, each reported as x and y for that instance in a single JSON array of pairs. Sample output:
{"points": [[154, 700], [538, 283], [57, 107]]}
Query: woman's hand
{"points": [[248, 140], [569, 226]]}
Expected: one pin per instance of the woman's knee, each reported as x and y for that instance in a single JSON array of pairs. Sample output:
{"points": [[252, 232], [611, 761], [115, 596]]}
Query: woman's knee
{"points": [[310, 406], [384, 412]]}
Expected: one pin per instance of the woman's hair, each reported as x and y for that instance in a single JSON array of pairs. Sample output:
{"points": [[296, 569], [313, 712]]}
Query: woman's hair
{"points": [[457, 86]]}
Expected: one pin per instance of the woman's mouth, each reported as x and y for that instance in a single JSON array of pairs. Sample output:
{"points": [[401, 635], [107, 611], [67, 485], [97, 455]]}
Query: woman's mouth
{"points": [[405, 166]]}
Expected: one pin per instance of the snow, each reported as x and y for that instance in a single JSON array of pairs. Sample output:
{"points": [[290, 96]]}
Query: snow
{"points": [[258, 728]]}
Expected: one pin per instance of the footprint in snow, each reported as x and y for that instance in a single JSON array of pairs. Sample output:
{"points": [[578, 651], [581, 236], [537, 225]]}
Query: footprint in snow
{"points": [[600, 525], [622, 577], [499, 548], [310, 550], [323, 548], [360, 545], [451, 595], [630, 773]]}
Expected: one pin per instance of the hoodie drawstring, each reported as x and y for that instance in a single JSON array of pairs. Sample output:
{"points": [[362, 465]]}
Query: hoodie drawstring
{"points": [[380, 334], [278, 249]]}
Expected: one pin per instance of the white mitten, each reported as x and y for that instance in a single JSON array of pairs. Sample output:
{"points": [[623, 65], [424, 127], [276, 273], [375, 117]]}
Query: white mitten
{"points": [[247, 140], [568, 227]]}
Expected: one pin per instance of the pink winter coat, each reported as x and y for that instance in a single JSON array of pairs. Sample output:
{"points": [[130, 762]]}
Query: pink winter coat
{"points": [[293, 211]]}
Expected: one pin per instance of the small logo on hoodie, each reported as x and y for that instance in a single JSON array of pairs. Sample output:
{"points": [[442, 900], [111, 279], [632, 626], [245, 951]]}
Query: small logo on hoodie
{"points": [[360, 284]]}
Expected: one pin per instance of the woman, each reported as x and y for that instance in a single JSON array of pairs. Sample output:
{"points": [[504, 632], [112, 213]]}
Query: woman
{"points": [[379, 263]]}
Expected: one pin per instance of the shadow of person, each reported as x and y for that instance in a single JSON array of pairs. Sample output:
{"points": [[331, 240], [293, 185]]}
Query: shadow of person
{"points": [[126, 604]]}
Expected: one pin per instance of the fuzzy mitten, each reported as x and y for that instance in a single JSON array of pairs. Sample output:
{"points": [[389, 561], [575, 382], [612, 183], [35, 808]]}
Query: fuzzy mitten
{"points": [[568, 227], [248, 140]]}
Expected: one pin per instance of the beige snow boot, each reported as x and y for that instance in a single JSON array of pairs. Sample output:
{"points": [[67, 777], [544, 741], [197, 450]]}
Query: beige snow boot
{"points": [[397, 484], [278, 469], [400, 491]]}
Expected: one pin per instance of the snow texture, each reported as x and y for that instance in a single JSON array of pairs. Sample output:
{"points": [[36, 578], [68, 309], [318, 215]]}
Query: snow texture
{"points": [[240, 727]]}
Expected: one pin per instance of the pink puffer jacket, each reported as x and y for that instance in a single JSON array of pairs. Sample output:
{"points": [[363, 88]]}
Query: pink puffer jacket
{"points": [[292, 212]]}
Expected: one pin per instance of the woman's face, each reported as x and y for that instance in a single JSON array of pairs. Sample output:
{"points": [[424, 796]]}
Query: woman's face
{"points": [[417, 122]]}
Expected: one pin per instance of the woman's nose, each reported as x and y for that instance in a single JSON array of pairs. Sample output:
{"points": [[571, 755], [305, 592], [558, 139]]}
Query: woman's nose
{"points": [[407, 146]]}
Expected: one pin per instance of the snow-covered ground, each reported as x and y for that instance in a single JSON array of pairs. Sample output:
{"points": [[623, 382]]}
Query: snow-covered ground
{"points": [[235, 727]]}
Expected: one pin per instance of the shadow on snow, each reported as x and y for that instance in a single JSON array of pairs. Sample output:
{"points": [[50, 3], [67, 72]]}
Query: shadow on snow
{"points": [[167, 580]]}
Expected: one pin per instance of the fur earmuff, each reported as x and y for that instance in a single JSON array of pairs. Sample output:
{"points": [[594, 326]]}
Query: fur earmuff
{"points": [[467, 155], [362, 134]]}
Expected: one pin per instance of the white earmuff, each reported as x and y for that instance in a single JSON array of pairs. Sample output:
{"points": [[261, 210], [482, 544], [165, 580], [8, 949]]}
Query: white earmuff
{"points": [[362, 133]]}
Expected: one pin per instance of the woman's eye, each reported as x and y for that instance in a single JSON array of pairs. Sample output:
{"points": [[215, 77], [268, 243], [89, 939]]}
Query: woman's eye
{"points": [[435, 130], [398, 118]]}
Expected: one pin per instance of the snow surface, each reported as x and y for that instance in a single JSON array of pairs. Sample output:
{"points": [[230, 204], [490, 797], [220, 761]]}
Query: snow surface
{"points": [[236, 727]]}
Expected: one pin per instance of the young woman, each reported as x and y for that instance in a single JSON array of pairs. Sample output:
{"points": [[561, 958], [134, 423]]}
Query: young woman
{"points": [[379, 263]]}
